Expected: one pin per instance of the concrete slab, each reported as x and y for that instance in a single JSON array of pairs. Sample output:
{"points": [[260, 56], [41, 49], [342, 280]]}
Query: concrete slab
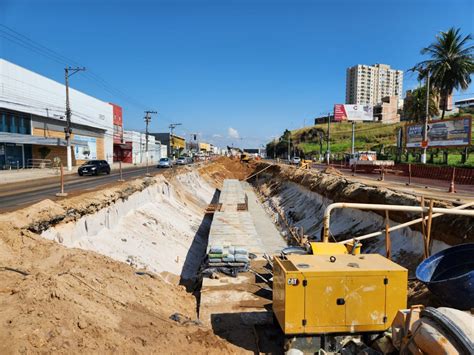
{"points": [[232, 194], [236, 229], [269, 236], [245, 301]]}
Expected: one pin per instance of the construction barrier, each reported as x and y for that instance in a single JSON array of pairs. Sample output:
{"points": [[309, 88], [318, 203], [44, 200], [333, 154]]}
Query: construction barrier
{"points": [[462, 176]]}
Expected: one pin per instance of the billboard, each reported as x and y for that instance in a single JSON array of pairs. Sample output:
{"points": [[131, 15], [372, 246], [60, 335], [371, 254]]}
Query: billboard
{"points": [[353, 113], [88, 150], [453, 132]]}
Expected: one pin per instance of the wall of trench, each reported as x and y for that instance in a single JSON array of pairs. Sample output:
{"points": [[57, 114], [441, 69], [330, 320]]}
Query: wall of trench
{"points": [[157, 229], [304, 209]]}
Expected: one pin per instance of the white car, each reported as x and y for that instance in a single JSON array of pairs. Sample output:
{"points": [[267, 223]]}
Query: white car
{"points": [[181, 161], [296, 160], [165, 163]]}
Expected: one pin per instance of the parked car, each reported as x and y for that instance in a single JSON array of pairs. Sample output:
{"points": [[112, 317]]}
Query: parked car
{"points": [[94, 167], [165, 163], [296, 160], [181, 161]]}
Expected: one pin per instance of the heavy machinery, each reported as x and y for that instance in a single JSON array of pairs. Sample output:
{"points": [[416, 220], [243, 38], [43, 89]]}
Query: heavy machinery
{"points": [[319, 297], [327, 298], [245, 157]]}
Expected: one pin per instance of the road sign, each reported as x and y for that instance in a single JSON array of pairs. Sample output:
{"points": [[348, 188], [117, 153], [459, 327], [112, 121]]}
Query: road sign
{"points": [[424, 144]]}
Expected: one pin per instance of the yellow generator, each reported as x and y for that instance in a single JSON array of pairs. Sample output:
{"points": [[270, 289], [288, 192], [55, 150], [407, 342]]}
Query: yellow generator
{"points": [[336, 293]]}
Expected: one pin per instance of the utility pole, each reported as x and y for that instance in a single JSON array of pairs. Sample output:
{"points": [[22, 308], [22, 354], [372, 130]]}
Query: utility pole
{"points": [[172, 126], [68, 130], [425, 131], [328, 144], [147, 120]]}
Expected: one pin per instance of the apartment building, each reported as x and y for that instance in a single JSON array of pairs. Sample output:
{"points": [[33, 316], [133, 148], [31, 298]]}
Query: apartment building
{"points": [[368, 84]]}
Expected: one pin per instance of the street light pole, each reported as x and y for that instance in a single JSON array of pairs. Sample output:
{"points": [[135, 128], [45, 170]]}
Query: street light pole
{"points": [[68, 130], [425, 131]]}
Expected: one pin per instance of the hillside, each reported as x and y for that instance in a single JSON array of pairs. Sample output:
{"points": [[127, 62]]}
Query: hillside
{"points": [[308, 142], [368, 136]]}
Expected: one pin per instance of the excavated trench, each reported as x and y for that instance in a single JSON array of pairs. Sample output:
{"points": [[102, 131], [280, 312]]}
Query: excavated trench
{"points": [[163, 228]]}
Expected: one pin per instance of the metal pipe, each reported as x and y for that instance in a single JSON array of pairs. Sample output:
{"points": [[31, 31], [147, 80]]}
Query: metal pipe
{"points": [[403, 225], [380, 207]]}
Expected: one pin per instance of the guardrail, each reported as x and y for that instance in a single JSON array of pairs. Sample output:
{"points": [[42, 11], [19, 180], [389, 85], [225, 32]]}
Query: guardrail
{"points": [[39, 163], [431, 211]]}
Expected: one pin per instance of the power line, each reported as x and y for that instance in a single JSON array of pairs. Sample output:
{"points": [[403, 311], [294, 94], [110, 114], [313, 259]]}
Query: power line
{"points": [[28, 43]]}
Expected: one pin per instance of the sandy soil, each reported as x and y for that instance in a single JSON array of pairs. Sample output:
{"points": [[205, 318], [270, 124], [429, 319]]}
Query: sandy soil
{"points": [[225, 168], [56, 299]]}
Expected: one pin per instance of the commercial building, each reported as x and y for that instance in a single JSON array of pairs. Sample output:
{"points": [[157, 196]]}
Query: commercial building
{"points": [[204, 147], [176, 144], [368, 84], [137, 154], [32, 123], [121, 148], [387, 111], [466, 103]]}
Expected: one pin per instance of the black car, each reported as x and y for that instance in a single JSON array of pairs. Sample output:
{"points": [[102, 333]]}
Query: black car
{"points": [[94, 167]]}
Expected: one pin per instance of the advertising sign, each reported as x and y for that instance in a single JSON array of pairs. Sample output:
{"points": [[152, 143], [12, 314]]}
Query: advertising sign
{"points": [[353, 113], [85, 151], [454, 132]]}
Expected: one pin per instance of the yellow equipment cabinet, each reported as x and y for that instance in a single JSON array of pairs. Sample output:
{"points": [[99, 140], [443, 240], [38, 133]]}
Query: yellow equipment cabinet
{"points": [[342, 293]]}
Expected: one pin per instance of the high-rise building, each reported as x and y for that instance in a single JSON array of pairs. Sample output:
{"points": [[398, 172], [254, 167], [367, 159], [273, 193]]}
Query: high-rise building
{"points": [[368, 84]]}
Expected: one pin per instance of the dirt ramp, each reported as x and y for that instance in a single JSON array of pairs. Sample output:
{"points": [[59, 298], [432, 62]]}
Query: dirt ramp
{"points": [[226, 168]]}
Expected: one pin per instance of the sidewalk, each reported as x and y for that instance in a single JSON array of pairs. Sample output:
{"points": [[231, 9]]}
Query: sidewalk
{"points": [[9, 176], [419, 186]]}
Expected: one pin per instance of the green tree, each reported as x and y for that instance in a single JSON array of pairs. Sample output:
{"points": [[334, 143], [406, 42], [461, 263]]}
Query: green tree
{"points": [[415, 105], [451, 63]]}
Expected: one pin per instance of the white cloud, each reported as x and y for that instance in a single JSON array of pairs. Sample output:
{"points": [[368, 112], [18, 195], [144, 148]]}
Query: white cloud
{"points": [[216, 136], [233, 133]]}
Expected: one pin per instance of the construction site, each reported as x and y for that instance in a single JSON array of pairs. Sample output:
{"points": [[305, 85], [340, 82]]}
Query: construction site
{"points": [[239, 257]]}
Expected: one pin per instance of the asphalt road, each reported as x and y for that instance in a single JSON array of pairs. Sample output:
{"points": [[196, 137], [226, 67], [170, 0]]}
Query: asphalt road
{"points": [[21, 194]]}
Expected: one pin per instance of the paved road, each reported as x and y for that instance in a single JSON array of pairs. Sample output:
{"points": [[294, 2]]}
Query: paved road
{"points": [[16, 195]]}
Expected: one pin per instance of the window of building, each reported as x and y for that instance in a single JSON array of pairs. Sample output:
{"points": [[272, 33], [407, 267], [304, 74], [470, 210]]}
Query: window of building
{"points": [[14, 123]]}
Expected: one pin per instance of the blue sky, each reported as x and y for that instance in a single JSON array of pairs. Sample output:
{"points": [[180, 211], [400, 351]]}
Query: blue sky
{"points": [[234, 71]]}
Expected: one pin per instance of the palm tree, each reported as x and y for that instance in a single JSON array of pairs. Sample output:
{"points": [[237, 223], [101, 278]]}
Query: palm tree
{"points": [[415, 105], [451, 63]]}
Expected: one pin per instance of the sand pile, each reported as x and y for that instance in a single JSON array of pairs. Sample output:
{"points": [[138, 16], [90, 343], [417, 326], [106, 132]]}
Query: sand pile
{"points": [[56, 299]]}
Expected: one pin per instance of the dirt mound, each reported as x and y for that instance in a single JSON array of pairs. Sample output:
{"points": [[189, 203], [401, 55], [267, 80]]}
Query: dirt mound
{"points": [[55, 299], [332, 170], [226, 168]]}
